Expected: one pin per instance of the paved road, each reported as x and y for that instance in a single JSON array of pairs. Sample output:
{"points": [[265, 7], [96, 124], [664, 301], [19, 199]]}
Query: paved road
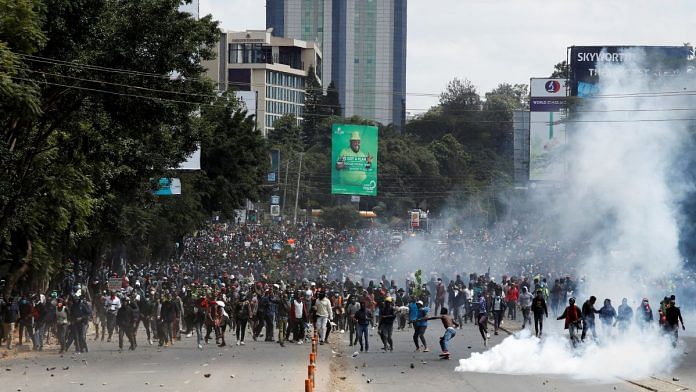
{"points": [[272, 368], [182, 367], [404, 369]]}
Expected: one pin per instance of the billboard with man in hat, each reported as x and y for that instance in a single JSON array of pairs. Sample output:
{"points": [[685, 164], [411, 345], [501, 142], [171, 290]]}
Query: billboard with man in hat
{"points": [[354, 160]]}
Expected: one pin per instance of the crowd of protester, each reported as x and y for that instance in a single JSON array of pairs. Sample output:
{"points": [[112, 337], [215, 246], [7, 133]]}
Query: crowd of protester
{"points": [[231, 282]]}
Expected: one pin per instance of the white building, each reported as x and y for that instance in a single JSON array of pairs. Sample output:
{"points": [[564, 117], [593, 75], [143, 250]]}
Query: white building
{"points": [[274, 67]]}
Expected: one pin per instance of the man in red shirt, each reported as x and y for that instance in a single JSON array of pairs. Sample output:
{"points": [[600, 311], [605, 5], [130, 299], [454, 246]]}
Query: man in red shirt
{"points": [[573, 317], [511, 298]]}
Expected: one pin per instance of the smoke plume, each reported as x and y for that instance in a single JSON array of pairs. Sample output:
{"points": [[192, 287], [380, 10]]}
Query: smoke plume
{"points": [[621, 196]]}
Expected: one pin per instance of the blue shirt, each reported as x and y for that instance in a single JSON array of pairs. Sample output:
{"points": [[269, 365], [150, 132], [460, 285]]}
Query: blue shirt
{"points": [[422, 314], [482, 306], [412, 311]]}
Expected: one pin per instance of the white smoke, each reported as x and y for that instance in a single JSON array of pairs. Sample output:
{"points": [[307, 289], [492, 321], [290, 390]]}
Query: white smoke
{"points": [[631, 356], [620, 199]]}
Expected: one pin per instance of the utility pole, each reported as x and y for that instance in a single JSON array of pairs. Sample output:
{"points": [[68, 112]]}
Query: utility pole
{"points": [[297, 191]]}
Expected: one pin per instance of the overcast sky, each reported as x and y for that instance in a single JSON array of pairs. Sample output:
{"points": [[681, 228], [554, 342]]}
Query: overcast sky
{"points": [[496, 41]]}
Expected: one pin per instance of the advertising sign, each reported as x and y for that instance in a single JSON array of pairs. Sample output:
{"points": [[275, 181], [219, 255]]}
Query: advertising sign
{"points": [[169, 187], [354, 160], [657, 60], [275, 210], [547, 133], [415, 219]]}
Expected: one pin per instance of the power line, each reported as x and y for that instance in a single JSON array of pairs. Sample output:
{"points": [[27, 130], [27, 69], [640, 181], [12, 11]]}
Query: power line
{"points": [[639, 94], [473, 121]]}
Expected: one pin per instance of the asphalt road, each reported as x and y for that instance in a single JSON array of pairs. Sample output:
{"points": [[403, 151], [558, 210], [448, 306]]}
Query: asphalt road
{"points": [[267, 366], [406, 370], [256, 366]]}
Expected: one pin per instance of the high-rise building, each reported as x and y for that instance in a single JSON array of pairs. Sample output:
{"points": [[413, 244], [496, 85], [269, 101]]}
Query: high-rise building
{"points": [[275, 68], [364, 46]]}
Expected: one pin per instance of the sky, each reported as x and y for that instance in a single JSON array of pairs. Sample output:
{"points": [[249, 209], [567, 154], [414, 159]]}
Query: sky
{"points": [[502, 41]]}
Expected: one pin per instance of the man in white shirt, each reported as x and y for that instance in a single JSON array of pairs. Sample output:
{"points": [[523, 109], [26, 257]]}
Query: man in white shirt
{"points": [[112, 304], [324, 315]]}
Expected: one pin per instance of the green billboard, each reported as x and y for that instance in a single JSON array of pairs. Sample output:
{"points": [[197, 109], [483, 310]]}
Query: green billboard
{"points": [[354, 159]]}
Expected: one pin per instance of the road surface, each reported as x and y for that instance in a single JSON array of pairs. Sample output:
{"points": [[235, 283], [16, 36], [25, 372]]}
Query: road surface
{"points": [[268, 367]]}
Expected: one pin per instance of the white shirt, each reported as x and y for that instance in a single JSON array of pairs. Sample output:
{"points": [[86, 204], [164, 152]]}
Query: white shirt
{"points": [[112, 305], [299, 307]]}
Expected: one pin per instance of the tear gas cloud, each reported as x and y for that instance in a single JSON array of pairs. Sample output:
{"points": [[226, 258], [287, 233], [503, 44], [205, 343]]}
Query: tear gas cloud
{"points": [[621, 201]]}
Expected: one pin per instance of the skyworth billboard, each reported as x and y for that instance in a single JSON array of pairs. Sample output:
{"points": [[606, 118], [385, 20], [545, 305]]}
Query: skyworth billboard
{"points": [[658, 60]]}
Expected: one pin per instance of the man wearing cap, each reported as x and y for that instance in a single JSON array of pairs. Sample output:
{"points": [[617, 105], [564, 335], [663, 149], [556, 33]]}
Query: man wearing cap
{"points": [[353, 163], [386, 323]]}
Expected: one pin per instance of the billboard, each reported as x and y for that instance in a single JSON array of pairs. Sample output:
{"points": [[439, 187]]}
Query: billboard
{"points": [[658, 60], [547, 133], [354, 159], [168, 187]]}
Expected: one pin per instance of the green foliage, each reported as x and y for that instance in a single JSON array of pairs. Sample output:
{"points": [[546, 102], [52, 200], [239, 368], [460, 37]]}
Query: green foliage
{"points": [[418, 290], [234, 158], [561, 70], [313, 110], [81, 145], [286, 136], [331, 102]]}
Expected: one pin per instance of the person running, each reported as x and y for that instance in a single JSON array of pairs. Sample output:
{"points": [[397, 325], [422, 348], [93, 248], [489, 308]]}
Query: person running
{"points": [[572, 316], [498, 311], [421, 324], [482, 319], [450, 331], [363, 318], [674, 317], [386, 324], [588, 318], [539, 310], [525, 300]]}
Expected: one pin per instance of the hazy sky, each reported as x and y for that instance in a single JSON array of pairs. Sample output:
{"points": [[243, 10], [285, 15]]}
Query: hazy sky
{"points": [[496, 41]]}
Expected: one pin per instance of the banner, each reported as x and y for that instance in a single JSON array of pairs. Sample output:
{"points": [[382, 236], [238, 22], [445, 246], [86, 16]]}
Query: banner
{"points": [[547, 133], [354, 160]]}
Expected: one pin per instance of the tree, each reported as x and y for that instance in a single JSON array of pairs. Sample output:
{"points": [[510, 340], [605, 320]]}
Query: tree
{"points": [[286, 135], [331, 102], [234, 158], [460, 95], [313, 111], [77, 166], [561, 70]]}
